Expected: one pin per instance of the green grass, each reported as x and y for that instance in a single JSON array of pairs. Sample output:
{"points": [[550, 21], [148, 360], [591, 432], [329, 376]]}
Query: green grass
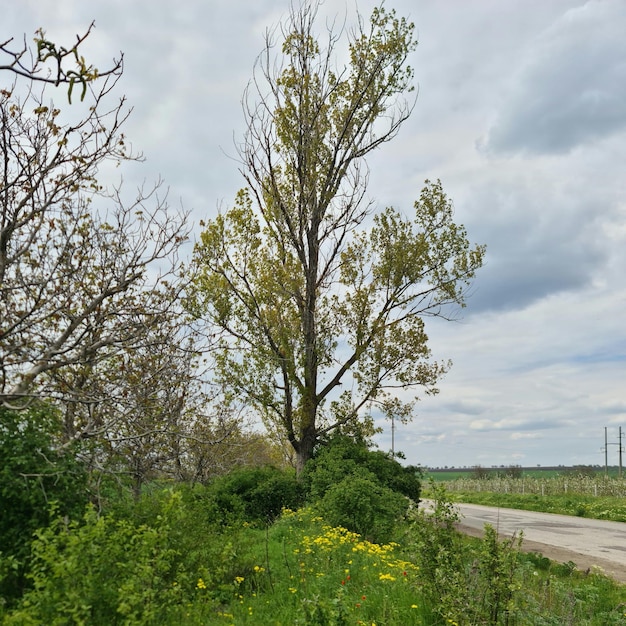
{"points": [[304, 572], [527, 472], [608, 508], [301, 571], [443, 476], [169, 563]]}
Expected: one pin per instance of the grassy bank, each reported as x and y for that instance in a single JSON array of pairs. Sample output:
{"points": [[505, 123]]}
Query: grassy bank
{"points": [[167, 560], [608, 508], [342, 544]]}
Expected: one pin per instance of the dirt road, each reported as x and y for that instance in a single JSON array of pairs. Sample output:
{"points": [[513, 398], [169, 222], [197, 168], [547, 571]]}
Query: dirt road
{"points": [[586, 542]]}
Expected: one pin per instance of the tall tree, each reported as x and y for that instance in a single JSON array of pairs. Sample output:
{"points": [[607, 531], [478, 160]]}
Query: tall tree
{"points": [[86, 271], [313, 290]]}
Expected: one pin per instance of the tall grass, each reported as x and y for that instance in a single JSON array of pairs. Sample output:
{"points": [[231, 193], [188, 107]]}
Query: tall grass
{"points": [[170, 562]]}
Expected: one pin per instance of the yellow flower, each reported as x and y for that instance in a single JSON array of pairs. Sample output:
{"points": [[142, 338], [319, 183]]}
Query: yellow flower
{"points": [[414, 606], [239, 580], [258, 569], [200, 584]]}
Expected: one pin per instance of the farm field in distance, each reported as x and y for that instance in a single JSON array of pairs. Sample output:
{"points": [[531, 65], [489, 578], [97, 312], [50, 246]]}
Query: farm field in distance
{"points": [[547, 472], [584, 491]]}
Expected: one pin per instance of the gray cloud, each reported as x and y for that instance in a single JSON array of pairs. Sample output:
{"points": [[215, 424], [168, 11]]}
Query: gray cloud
{"points": [[515, 425], [540, 351], [539, 242], [571, 87], [464, 407]]}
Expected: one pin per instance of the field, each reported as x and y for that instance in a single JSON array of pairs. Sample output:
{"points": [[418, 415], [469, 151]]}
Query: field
{"points": [[552, 490], [447, 474]]}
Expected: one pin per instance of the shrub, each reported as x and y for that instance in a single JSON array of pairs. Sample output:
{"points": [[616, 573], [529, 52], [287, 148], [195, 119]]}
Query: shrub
{"points": [[34, 474], [254, 494], [107, 571], [362, 505], [480, 473], [464, 582], [96, 572], [512, 471], [343, 456]]}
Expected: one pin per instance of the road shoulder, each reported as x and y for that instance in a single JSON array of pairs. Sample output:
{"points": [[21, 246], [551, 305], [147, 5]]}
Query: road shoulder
{"points": [[584, 563]]}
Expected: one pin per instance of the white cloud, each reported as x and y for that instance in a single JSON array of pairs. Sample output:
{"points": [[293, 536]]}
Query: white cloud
{"points": [[516, 436]]}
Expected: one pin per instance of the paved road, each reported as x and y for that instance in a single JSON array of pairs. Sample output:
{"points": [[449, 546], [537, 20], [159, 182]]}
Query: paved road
{"points": [[586, 542]]}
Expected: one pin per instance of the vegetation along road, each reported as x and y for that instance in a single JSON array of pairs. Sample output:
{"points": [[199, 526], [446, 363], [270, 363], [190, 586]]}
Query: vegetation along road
{"points": [[586, 542]]}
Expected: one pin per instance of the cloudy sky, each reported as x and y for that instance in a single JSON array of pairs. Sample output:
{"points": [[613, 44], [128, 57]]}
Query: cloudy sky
{"points": [[522, 115]]}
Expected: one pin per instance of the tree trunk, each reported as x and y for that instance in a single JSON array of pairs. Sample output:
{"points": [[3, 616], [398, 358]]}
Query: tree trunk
{"points": [[305, 448]]}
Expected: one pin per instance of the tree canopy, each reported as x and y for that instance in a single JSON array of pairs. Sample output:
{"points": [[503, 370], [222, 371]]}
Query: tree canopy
{"points": [[319, 298]]}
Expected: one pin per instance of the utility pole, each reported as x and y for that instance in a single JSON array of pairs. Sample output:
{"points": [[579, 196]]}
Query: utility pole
{"points": [[620, 451], [393, 432], [606, 454]]}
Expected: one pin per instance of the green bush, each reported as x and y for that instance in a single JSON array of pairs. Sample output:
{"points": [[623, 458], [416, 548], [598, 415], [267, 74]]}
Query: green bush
{"points": [[96, 573], [364, 506], [108, 571], [34, 474], [464, 581], [253, 494], [343, 456]]}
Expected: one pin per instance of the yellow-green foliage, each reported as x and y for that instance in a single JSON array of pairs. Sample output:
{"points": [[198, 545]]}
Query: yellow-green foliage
{"points": [[168, 563]]}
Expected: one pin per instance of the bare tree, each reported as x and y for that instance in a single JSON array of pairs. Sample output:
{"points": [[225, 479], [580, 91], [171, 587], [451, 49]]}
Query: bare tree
{"points": [[91, 280], [84, 273]]}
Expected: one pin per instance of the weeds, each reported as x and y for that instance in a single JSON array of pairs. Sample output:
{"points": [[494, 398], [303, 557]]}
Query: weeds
{"points": [[174, 561]]}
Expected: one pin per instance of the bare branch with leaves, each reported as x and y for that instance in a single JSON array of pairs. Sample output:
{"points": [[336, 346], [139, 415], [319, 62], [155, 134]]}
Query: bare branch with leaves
{"points": [[83, 270], [54, 64]]}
